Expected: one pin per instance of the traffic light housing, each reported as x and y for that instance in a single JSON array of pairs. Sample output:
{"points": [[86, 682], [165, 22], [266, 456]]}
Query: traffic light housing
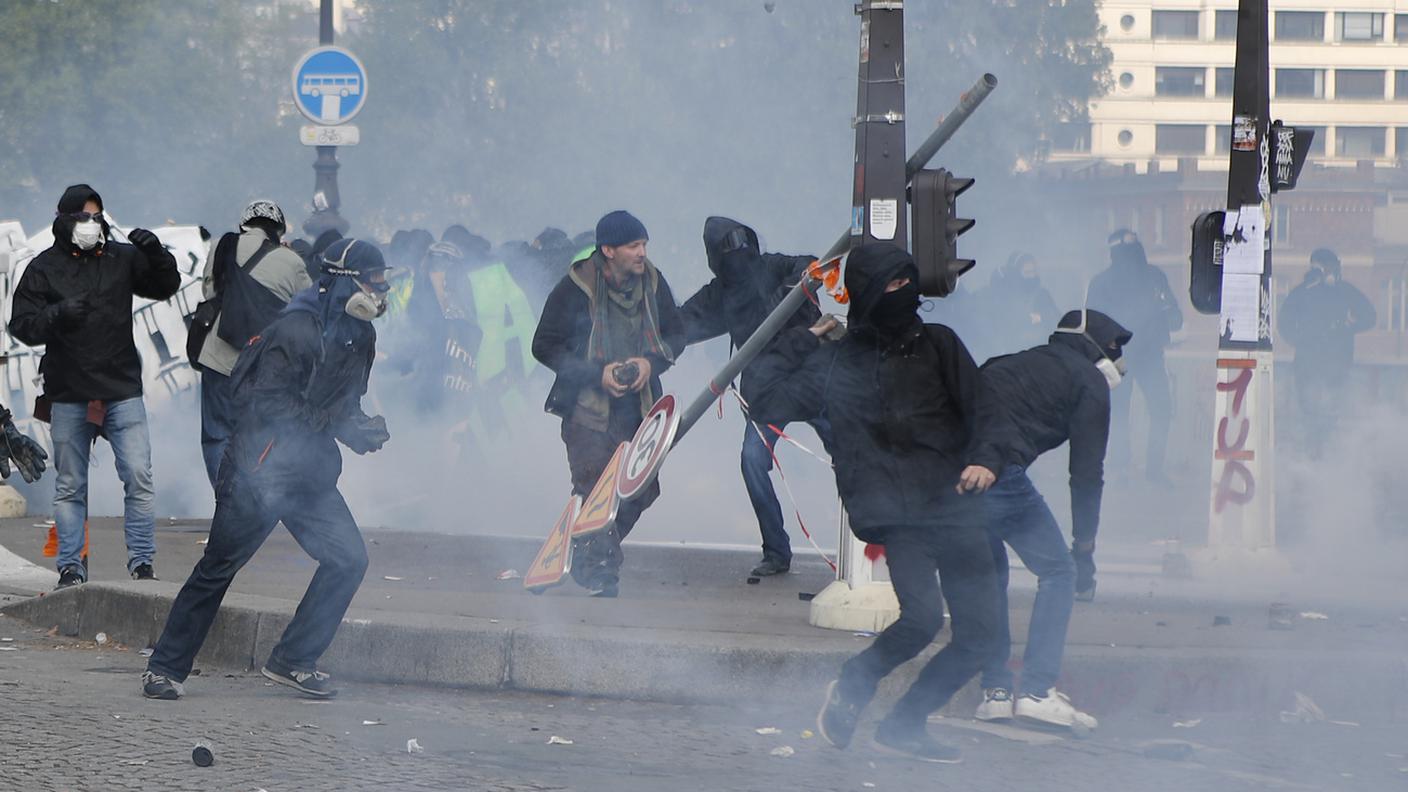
{"points": [[936, 227]]}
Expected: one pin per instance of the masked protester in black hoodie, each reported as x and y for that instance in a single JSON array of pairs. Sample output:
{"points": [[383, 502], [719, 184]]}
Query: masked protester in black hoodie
{"points": [[75, 299], [748, 284], [915, 438], [1052, 394], [300, 385]]}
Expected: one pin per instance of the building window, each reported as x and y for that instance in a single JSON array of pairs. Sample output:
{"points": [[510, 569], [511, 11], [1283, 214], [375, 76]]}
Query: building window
{"points": [[1126, 137], [1224, 139], [1281, 225], [1127, 22], [1180, 139], [1180, 81], [1300, 26], [1400, 143], [1359, 84], [1225, 28], [1317, 144], [1175, 24], [1400, 85], [1400, 28], [1359, 142], [1071, 136], [1223, 84], [1359, 26], [1126, 80], [1300, 83]]}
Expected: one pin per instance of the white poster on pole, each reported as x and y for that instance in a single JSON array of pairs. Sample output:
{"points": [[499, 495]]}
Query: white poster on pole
{"points": [[1245, 244], [1241, 307]]}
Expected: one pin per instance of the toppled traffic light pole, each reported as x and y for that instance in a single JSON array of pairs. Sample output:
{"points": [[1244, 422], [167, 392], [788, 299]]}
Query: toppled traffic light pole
{"points": [[881, 195]]}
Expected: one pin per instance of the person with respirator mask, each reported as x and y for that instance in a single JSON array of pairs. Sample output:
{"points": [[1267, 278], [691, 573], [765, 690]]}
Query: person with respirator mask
{"points": [[75, 300], [917, 439], [299, 385], [1050, 394]]}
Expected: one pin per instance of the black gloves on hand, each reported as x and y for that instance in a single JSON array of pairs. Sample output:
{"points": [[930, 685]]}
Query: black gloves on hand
{"points": [[1083, 553], [365, 435], [145, 240], [27, 455], [71, 312]]}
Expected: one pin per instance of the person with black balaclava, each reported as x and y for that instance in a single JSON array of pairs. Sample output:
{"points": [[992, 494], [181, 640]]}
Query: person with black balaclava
{"points": [[1050, 394], [609, 329], [1015, 307], [75, 300], [300, 386], [1320, 318], [916, 438], [748, 284], [1137, 295]]}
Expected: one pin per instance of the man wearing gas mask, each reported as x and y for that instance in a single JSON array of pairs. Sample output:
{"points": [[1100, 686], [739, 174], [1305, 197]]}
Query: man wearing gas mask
{"points": [[1050, 394], [916, 439], [1137, 295], [299, 385], [75, 299], [1320, 318], [748, 284], [609, 329]]}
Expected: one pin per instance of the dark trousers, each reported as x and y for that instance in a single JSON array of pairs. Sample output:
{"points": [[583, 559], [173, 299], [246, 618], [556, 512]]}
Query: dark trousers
{"points": [[598, 557], [756, 463], [1151, 377], [217, 419], [960, 553], [321, 524]]}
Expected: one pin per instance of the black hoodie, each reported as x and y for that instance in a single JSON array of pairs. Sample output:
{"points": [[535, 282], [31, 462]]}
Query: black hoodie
{"points": [[97, 359], [1053, 393], [907, 408], [748, 284]]}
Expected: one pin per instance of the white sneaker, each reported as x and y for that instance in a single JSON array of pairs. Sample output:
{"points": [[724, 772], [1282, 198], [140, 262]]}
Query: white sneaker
{"points": [[1053, 709], [996, 706]]}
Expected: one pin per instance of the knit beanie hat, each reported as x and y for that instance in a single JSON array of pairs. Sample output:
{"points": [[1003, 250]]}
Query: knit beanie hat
{"points": [[619, 228]]}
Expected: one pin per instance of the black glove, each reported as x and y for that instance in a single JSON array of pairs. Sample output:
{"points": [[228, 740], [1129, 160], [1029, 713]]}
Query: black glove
{"points": [[365, 435], [27, 455], [145, 241], [1083, 553], [71, 313]]}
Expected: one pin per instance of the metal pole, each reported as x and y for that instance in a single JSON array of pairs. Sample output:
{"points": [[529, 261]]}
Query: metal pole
{"points": [[325, 215], [789, 305]]}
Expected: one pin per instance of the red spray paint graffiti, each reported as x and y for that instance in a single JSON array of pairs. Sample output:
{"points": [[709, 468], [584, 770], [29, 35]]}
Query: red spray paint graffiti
{"points": [[1234, 455]]}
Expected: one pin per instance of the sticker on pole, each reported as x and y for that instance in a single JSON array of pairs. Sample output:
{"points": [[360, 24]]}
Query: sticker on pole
{"points": [[649, 447], [554, 559], [329, 85], [599, 509]]}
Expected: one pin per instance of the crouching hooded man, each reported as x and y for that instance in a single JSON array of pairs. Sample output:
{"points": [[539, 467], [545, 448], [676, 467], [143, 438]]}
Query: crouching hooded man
{"points": [[915, 439], [609, 329], [299, 386], [748, 284], [1052, 394]]}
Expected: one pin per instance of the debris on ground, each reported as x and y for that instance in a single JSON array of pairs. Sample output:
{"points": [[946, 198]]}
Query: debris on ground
{"points": [[768, 730], [1314, 616], [202, 756], [509, 574], [1343, 723], [392, 578], [145, 652], [807, 734], [1306, 711], [202, 541], [1188, 724], [9, 648], [413, 746], [373, 723], [783, 751], [555, 740], [7, 640], [101, 638], [1173, 750], [752, 581]]}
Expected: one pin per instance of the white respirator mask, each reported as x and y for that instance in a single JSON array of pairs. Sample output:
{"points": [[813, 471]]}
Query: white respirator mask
{"points": [[87, 234], [366, 305]]}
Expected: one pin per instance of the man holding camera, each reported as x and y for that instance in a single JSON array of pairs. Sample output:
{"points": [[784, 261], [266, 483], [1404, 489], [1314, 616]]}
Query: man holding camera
{"points": [[609, 329]]}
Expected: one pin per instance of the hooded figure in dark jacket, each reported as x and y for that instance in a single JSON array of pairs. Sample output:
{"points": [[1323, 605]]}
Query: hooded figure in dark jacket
{"points": [[300, 385], [1050, 394], [748, 284], [915, 438], [1015, 308], [75, 300]]}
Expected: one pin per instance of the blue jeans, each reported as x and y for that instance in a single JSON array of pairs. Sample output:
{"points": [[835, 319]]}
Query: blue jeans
{"points": [[1018, 515], [125, 427], [757, 464], [217, 419]]}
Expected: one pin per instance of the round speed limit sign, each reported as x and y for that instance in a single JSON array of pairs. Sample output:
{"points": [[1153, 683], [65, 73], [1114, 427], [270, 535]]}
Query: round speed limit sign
{"points": [[647, 450]]}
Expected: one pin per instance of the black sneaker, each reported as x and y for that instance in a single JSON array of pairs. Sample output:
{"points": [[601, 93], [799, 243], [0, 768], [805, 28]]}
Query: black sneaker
{"points": [[144, 572], [156, 686], [772, 566], [837, 720], [312, 683], [70, 576], [914, 744]]}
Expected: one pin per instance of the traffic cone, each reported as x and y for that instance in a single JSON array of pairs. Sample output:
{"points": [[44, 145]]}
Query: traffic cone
{"points": [[51, 547]]}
